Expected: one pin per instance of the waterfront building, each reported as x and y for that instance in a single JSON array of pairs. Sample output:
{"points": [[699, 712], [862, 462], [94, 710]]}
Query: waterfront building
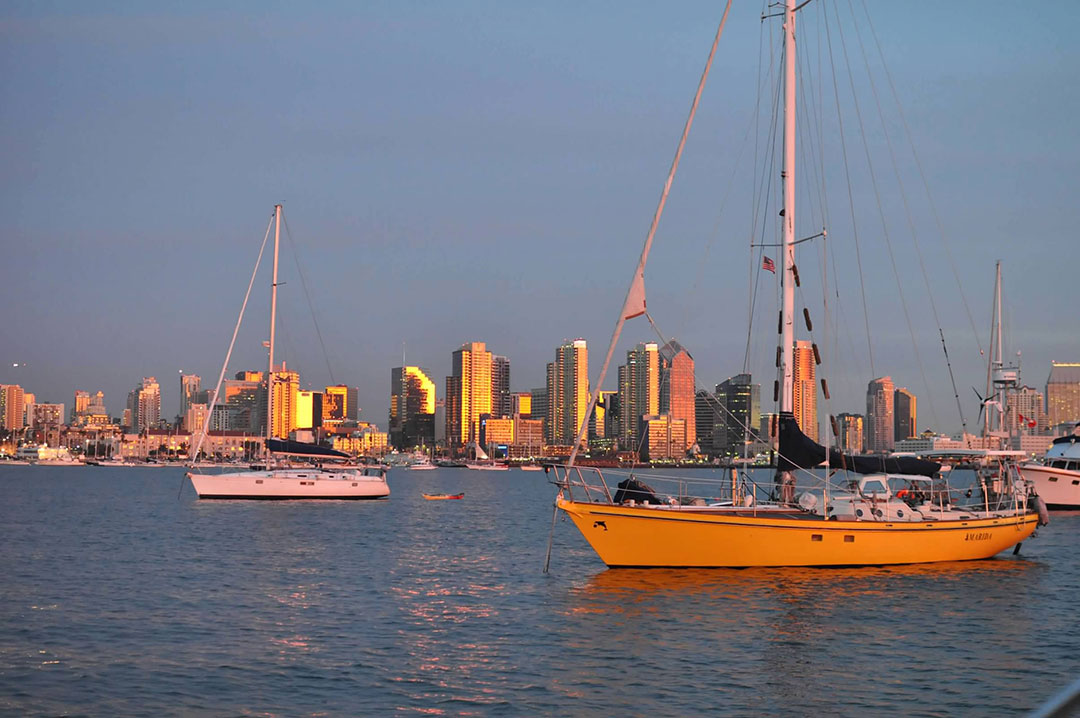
{"points": [[496, 431], [600, 424], [500, 386], [677, 387], [879, 415], [664, 438], [412, 408], [244, 405], [539, 401], [286, 388], [47, 416], [736, 410], [521, 404], [639, 392], [308, 409], [1024, 414], [362, 440], [707, 418], [528, 438], [340, 404], [905, 415], [190, 387], [80, 405], [95, 413], [851, 433], [1063, 393], [144, 403], [567, 392], [805, 397], [12, 407], [468, 393], [194, 419]]}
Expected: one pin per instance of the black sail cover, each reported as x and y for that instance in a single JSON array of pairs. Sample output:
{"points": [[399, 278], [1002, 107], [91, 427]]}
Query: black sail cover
{"points": [[301, 448], [798, 451]]}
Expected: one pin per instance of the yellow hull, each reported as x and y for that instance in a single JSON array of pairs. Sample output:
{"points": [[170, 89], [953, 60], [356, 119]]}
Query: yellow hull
{"points": [[656, 537]]}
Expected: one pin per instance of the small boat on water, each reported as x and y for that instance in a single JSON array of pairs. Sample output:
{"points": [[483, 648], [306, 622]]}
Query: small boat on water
{"points": [[444, 497]]}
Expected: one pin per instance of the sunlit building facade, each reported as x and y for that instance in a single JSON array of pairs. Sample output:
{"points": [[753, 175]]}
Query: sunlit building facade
{"points": [[144, 403], [851, 433], [737, 414], [412, 408], [880, 394], [190, 387], [468, 393], [340, 405], [285, 402], [12, 407], [664, 438], [677, 387], [1025, 415], [568, 392], [1063, 393], [805, 396], [501, 402]]}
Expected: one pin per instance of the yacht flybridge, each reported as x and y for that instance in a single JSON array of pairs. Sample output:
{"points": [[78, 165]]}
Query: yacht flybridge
{"points": [[824, 508]]}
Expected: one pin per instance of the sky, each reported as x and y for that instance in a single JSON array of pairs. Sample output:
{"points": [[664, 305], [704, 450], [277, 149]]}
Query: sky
{"points": [[487, 171]]}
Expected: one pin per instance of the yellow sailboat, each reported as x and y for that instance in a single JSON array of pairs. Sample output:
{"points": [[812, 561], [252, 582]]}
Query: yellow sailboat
{"points": [[899, 510]]}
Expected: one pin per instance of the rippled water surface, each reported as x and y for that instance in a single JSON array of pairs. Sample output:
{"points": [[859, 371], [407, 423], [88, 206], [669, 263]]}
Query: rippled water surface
{"points": [[121, 599]]}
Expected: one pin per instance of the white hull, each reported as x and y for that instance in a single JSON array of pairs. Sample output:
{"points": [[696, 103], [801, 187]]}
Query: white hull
{"points": [[421, 467], [1059, 488], [291, 484], [487, 467]]}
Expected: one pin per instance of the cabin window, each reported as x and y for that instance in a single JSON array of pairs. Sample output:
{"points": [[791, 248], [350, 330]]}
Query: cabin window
{"points": [[815, 537], [355, 484], [1053, 479], [874, 486], [1076, 482], [258, 481], [849, 539]]}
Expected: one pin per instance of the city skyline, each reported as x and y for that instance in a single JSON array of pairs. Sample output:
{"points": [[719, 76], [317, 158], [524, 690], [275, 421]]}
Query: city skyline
{"points": [[423, 216]]}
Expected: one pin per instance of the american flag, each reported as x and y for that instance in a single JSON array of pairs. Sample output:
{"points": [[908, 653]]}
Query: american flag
{"points": [[767, 263]]}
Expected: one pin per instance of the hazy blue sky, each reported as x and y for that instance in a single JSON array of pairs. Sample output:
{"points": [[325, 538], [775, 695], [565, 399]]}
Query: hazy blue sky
{"points": [[487, 171]]}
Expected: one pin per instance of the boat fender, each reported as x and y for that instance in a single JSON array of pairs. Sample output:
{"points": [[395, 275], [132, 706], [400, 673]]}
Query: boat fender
{"points": [[1040, 507], [748, 501], [807, 501]]}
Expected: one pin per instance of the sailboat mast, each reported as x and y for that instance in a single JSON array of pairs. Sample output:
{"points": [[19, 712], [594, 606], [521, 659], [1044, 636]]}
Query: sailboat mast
{"points": [[787, 174], [273, 322]]}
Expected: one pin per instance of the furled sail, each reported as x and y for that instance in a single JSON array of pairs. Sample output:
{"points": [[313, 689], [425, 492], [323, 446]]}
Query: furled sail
{"points": [[798, 451], [300, 448]]}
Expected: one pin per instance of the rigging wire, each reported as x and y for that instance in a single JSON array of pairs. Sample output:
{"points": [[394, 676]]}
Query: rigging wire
{"points": [[851, 197], [307, 295], [907, 205], [926, 184], [232, 343]]}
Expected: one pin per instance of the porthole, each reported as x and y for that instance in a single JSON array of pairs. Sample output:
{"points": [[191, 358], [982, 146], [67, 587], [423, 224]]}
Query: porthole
{"points": [[858, 512], [849, 539]]}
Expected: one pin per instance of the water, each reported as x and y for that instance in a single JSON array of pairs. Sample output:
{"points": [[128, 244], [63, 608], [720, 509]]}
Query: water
{"points": [[120, 599]]}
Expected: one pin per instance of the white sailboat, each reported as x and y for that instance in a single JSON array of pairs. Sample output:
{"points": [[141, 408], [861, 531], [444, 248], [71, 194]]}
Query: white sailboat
{"points": [[294, 470]]}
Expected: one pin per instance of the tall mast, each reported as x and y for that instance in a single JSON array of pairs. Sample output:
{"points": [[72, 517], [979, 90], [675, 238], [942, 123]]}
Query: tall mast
{"points": [[273, 321], [787, 317]]}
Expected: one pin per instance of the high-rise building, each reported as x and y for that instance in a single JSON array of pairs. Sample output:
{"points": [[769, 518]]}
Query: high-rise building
{"points": [[664, 437], [677, 387], [805, 396], [308, 409], [905, 415], [639, 392], [48, 416], [412, 408], [1024, 414], [144, 403], [568, 392], [539, 403], [340, 404], [190, 386], [851, 433], [242, 406], [12, 407], [468, 393], [707, 418], [500, 386], [521, 404], [286, 402], [737, 414], [1063, 393], [600, 426], [81, 404], [879, 414]]}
